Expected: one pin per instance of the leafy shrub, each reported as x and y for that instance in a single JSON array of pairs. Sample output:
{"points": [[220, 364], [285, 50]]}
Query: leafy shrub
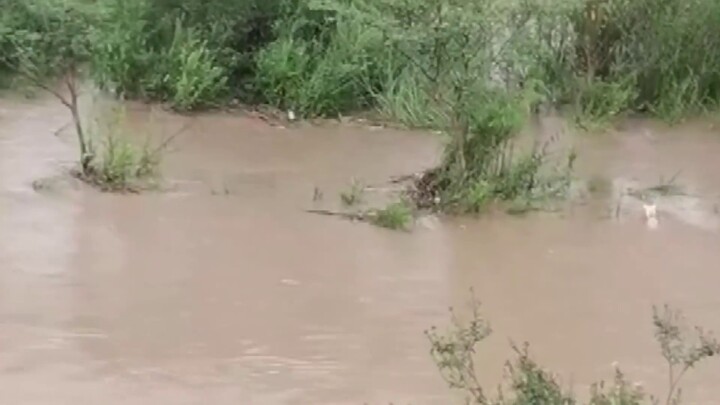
{"points": [[530, 384], [403, 98], [320, 67], [192, 76], [354, 196], [599, 102], [42, 37], [397, 215], [134, 58], [187, 52], [668, 50], [123, 59], [118, 165]]}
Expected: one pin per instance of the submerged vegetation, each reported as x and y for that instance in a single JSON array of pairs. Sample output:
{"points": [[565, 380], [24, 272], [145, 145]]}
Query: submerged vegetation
{"points": [[354, 195], [454, 353], [397, 215], [118, 164], [473, 70]]}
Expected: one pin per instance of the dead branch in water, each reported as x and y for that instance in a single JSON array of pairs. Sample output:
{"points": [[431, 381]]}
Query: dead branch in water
{"points": [[352, 216], [405, 178], [61, 129]]}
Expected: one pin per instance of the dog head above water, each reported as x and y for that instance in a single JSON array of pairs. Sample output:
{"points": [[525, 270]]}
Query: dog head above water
{"points": [[650, 210]]}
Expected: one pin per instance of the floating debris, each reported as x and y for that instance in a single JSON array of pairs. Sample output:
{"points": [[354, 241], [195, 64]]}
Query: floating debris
{"points": [[289, 281]]}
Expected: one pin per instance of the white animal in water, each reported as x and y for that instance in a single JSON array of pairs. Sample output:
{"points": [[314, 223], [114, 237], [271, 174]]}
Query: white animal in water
{"points": [[651, 215]]}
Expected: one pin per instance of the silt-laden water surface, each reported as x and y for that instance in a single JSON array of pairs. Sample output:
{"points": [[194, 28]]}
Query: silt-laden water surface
{"points": [[223, 290]]}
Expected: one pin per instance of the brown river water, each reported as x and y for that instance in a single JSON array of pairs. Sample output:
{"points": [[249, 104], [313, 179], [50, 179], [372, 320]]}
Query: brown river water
{"points": [[223, 290]]}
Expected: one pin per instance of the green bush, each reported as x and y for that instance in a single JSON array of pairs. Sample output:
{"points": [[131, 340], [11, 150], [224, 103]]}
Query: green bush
{"points": [[599, 102], [492, 171], [322, 64], [119, 165], [282, 68], [42, 37], [233, 29], [122, 57], [163, 59], [668, 49], [531, 384], [396, 216], [403, 98], [191, 75]]}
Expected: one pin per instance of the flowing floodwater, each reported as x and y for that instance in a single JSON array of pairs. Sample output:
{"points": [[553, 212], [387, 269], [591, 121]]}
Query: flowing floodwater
{"points": [[223, 290]]}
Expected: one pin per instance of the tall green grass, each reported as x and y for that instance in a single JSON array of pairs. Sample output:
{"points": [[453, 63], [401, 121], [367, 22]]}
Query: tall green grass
{"points": [[138, 53], [665, 53], [323, 63], [42, 37]]}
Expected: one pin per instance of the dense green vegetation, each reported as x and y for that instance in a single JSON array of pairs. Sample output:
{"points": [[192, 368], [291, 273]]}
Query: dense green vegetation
{"points": [[472, 69], [327, 57]]}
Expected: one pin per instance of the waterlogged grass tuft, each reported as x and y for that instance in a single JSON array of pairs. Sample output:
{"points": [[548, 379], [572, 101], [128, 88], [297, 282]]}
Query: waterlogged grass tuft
{"points": [[395, 216], [354, 196], [123, 167]]}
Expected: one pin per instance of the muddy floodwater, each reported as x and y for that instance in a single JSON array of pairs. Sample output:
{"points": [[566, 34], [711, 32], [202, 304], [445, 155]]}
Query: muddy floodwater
{"points": [[223, 290]]}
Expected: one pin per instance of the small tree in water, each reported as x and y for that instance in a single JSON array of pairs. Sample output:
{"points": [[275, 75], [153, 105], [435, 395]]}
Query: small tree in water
{"points": [[460, 55], [680, 352], [56, 50], [529, 384]]}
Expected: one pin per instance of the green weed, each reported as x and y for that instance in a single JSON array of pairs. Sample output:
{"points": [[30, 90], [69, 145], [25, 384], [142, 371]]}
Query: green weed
{"points": [[404, 98], [323, 74], [353, 196], [139, 53], [123, 167], [42, 37], [477, 196], [193, 76], [123, 60], [396, 216], [600, 103], [119, 165], [530, 384]]}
